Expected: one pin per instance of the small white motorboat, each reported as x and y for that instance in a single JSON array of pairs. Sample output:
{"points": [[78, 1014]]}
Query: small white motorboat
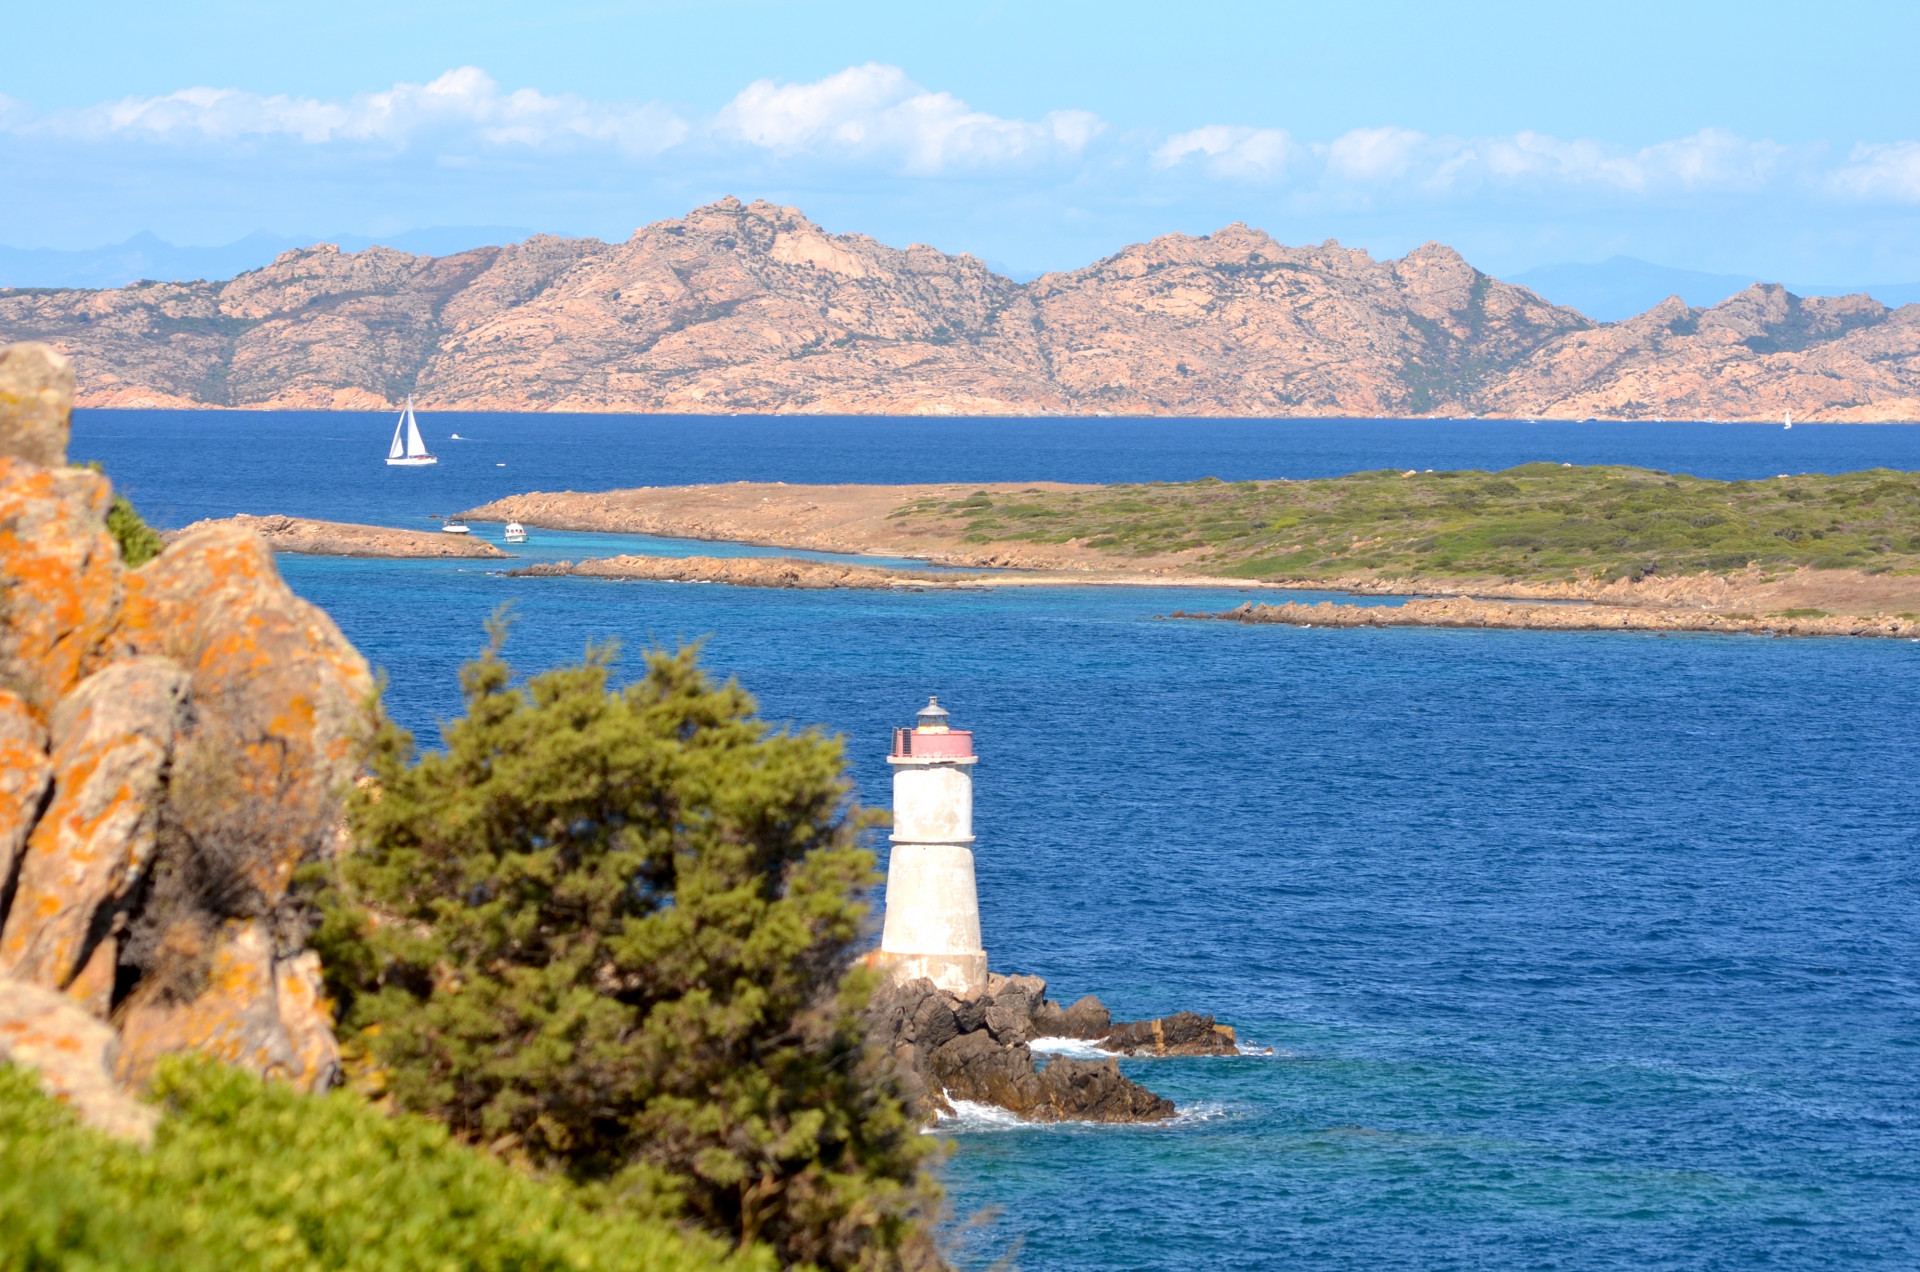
{"points": [[516, 533], [456, 527], [408, 447]]}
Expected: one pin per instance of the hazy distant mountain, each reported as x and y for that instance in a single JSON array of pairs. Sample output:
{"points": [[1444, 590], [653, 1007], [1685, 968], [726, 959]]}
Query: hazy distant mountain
{"points": [[754, 308], [1621, 286], [147, 255]]}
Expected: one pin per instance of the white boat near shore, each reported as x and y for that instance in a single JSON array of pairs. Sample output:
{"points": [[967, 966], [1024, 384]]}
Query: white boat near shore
{"points": [[516, 533]]}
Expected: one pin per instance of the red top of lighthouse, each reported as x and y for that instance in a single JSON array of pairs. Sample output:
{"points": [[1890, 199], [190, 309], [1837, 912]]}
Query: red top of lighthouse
{"points": [[931, 739]]}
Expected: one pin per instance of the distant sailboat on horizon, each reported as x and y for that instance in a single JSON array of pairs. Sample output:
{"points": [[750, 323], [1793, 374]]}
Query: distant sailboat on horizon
{"points": [[1789, 419], [408, 448]]}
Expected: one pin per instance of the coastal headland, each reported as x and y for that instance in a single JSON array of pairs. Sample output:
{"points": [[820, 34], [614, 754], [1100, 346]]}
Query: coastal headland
{"points": [[1743, 555], [744, 572], [751, 307], [340, 538]]}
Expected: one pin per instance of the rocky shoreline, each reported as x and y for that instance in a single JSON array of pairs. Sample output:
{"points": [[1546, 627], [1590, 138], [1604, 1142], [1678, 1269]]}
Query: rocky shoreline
{"points": [[979, 1049], [787, 572], [1468, 612], [344, 539]]}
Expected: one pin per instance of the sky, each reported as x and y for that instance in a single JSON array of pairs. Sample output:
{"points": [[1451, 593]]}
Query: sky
{"points": [[1773, 139]]}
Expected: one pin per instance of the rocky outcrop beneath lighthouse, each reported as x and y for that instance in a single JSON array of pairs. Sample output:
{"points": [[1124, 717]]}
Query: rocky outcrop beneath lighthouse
{"points": [[979, 1048]]}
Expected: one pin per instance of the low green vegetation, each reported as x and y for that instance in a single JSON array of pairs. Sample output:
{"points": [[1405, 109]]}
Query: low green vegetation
{"points": [[610, 933], [1536, 521], [249, 1177], [139, 542]]}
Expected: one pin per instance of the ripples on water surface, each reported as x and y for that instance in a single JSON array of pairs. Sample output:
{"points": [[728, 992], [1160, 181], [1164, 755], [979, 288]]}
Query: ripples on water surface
{"points": [[1577, 950]]}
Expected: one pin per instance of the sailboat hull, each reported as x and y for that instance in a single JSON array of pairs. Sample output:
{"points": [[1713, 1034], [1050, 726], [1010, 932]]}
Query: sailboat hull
{"points": [[414, 462]]}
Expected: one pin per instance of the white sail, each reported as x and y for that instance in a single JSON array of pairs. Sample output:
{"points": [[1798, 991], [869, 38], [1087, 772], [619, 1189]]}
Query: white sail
{"points": [[408, 448], [415, 447]]}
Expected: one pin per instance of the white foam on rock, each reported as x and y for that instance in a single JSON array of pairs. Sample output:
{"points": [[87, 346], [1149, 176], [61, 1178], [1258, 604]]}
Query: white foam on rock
{"points": [[1080, 1049], [971, 1118]]}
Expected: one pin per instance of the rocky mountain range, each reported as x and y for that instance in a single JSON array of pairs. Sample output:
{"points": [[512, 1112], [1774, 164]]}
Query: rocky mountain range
{"points": [[753, 308]]}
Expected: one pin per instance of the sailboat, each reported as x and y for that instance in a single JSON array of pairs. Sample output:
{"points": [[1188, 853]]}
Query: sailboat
{"points": [[1789, 419], [408, 448]]}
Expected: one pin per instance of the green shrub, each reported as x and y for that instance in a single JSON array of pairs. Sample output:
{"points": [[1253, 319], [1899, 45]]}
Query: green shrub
{"points": [[611, 933], [250, 1177], [139, 542]]}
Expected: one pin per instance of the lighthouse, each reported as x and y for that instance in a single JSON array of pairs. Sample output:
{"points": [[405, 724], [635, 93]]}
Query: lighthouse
{"points": [[933, 907]]}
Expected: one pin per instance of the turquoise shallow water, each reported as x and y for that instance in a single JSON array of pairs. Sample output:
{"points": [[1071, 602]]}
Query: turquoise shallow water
{"points": [[1576, 950]]}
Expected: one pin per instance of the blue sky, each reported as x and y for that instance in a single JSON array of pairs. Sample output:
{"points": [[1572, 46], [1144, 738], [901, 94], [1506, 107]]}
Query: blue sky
{"points": [[1781, 140]]}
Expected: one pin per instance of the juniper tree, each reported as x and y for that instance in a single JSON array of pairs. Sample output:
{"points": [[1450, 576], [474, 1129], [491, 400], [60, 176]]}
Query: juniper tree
{"points": [[610, 932]]}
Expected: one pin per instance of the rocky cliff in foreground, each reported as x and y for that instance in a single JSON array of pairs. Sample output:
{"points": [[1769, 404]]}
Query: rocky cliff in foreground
{"points": [[173, 740], [753, 308]]}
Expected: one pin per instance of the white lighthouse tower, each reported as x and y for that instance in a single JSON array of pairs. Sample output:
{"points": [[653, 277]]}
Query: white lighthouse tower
{"points": [[933, 907]]}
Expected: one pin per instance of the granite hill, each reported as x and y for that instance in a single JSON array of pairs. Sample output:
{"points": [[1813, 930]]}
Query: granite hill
{"points": [[753, 308]]}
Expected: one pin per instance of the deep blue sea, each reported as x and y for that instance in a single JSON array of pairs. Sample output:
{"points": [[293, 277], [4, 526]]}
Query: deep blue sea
{"points": [[1575, 950]]}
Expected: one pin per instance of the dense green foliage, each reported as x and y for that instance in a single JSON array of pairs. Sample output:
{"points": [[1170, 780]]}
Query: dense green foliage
{"points": [[249, 1177], [609, 932], [1537, 521]]}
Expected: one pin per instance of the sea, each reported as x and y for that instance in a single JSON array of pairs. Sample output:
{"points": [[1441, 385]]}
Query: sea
{"points": [[1551, 950]]}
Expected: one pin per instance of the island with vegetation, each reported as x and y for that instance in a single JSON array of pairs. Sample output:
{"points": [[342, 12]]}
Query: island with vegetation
{"points": [[1609, 545]]}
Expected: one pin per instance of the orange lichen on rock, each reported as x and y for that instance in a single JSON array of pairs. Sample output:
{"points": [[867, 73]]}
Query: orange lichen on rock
{"points": [[173, 744], [236, 1017], [74, 1055], [271, 674], [25, 771], [60, 573], [112, 739]]}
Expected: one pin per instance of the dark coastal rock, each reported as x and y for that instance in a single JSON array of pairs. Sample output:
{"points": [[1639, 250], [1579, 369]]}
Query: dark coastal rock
{"points": [[974, 1067], [1050, 1020], [1096, 1091], [1087, 1019], [1184, 1033], [1009, 1022], [976, 1049], [934, 1024]]}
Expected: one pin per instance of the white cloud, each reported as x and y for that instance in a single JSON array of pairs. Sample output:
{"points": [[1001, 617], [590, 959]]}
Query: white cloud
{"points": [[463, 99], [1713, 159], [878, 117], [1877, 171], [876, 110], [1256, 154], [1538, 157], [1374, 154]]}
